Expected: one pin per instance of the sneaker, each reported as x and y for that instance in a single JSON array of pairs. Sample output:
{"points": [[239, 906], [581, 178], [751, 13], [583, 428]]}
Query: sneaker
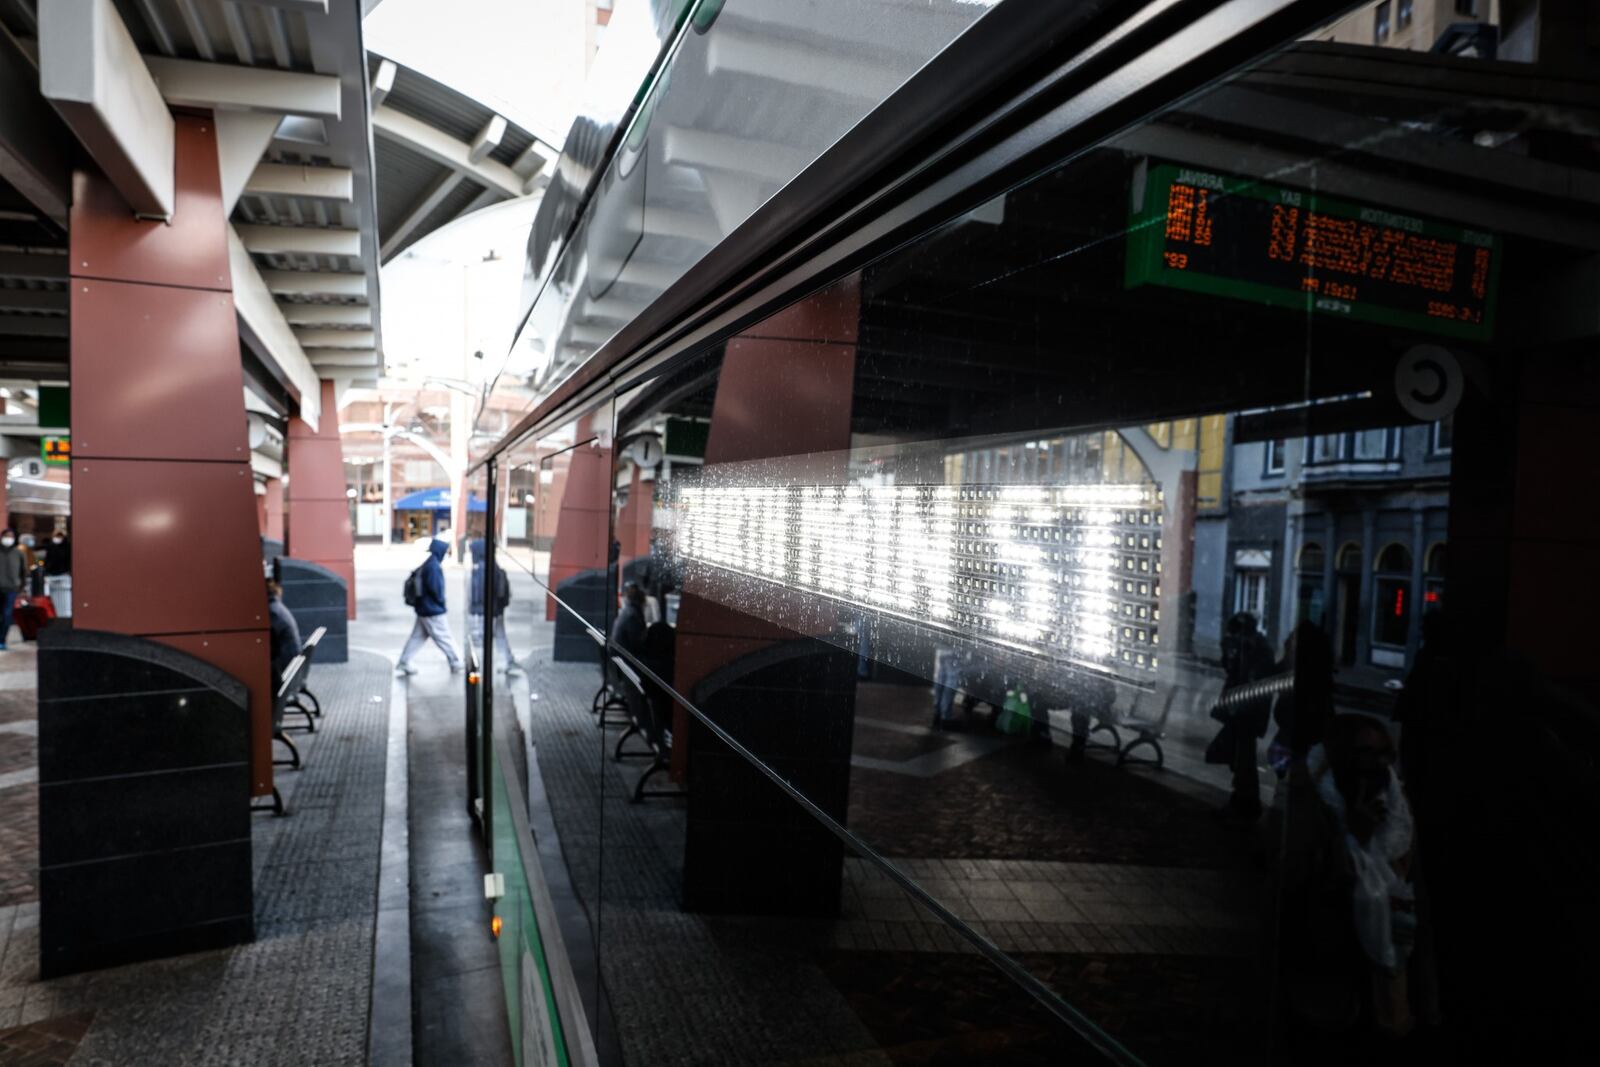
{"points": [[514, 668], [405, 669]]}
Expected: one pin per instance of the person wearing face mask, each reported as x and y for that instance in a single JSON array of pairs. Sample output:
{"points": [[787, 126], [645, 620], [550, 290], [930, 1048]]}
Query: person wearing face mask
{"points": [[58, 573], [13, 570]]}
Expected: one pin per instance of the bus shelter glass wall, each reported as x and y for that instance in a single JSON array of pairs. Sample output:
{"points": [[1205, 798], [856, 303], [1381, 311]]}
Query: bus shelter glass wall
{"points": [[1085, 562], [553, 541], [691, 168]]}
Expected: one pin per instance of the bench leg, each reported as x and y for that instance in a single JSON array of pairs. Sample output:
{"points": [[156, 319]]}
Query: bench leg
{"points": [[295, 705], [276, 806], [617, 753], [316, 705], [639, 791], [294, 753], [1125, 755]]}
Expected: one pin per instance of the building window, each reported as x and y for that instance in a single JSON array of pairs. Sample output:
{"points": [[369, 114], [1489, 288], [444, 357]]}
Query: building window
{"points": [[1380, 21], [1376, 444], [1403, 14], [1468, 8], [1350, 558], [1433, 578], [1310, 602], [1274, 457], [1443, 436], [1250, 593], [1327, 448], [1391, 607]]}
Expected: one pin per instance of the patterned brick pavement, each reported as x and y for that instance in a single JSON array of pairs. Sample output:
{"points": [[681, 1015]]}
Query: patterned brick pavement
{"points": [[299, 994], [19, 773]]}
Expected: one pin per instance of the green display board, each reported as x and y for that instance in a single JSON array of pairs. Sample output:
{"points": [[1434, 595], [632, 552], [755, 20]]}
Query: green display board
{"points": [[1253, 240]]}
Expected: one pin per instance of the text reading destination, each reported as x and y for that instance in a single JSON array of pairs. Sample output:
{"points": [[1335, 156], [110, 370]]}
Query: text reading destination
{"points": [[1249, 240]]}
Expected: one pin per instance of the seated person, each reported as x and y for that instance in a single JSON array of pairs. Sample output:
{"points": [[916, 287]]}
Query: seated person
{"points": [[284, 633]]}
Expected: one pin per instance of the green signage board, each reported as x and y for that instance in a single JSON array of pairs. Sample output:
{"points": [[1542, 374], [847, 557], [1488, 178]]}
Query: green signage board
{"points": [[1252, 240], [56, 451]]}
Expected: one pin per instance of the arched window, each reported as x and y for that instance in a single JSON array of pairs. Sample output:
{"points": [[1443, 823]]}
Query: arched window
{"points": [[1433, 578], [1394, 559], [1391, 603], [1311, 557], [1350, 558]]}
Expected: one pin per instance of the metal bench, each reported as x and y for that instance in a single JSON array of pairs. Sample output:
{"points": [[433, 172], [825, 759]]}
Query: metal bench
{"points": [[643, 722], [293, 680], [309, 651]]}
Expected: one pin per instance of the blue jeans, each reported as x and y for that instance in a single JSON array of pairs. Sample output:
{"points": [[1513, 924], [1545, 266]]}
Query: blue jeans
{"points": [[9, 596]]}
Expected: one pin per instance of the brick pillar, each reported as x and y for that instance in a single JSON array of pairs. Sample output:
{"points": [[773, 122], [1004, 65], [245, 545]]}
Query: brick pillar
{"points": [[165, 535], [633, 521], [785, 389], [272, 506], [583, 526], [319, 512]]}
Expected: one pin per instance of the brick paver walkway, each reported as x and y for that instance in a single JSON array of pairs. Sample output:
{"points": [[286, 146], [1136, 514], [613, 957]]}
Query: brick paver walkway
{"points": [[299, 994], [19, 775]]}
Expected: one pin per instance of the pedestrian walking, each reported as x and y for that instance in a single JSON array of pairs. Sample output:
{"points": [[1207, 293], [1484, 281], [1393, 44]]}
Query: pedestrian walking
{"points": [[425, 594], [13, 572], [58, 573]]}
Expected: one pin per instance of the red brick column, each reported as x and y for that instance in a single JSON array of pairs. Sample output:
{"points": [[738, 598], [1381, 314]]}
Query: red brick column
{"points": [[319, 511], [164, 521], [785, 389], [272, 510], [583, 528]]}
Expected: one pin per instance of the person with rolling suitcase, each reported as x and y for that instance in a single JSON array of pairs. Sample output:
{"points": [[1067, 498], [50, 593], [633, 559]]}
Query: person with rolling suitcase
{"points": [[13, 570]]}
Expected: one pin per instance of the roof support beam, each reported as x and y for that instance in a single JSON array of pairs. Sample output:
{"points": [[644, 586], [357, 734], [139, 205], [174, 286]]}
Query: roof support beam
{"points": [[317, 340], [242, 136], [33, 325], [35, 266], [444, 149], [225, 86], [313, 7], [263, 328], [91, 71], [285, 179], [299, 241], [488, 139], [33, 300], [443, 187], [32, 155], [343, 357], [327, 314], [383, 82], [315, 283]]}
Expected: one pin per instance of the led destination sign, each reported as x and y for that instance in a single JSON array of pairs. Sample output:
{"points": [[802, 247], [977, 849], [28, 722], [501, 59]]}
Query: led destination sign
{"points": [[1251, 240]]}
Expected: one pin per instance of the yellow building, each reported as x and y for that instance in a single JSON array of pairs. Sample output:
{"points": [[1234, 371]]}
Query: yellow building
{"points": [[1410, 24]]}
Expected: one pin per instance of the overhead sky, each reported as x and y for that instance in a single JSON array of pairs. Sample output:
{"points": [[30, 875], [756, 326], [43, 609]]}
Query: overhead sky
{"points": [[524, 58]]}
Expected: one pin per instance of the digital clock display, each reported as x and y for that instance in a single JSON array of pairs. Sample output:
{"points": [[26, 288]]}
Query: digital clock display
{"points": [[1252, 240]]}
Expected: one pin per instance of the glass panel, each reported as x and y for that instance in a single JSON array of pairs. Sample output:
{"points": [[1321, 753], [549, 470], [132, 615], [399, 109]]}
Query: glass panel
{"points": [[964, 612]]}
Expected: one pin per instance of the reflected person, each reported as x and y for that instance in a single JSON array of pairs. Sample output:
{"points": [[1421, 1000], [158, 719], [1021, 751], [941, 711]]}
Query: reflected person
{"points": [[502, 596], [1246, 658]]}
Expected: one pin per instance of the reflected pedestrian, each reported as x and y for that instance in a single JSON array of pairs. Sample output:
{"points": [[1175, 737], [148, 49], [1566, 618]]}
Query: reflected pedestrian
{"points": [[1246, 659], [502, 597], [425, 594]]}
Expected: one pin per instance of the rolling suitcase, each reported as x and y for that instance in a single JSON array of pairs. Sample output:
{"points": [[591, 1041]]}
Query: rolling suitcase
{"points": [[32, 614]]}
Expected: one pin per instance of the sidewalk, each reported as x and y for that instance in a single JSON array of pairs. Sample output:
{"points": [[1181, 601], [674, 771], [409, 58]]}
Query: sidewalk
{"points": [[299, 993]]}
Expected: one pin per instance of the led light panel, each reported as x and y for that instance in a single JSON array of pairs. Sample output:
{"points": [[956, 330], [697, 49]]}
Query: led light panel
{"points": [[1067, 571]]}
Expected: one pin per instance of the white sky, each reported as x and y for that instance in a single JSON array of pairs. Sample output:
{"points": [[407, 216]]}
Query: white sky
{"points": [[524, 58]]}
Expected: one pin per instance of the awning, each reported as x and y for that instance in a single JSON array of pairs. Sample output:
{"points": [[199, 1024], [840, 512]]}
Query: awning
{"points": [[434, 500]]}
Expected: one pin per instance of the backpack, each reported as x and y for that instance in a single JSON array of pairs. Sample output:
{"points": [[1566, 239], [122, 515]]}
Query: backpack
{"points": [[414, 588]]}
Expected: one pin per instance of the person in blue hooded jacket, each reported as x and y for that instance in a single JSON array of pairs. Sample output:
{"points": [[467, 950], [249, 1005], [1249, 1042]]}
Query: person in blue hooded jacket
{"points": [[429, 606]]}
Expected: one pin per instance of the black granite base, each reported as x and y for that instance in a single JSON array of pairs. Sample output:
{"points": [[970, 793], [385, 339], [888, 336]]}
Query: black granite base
{"points": [[144, 802], [316, 596]]}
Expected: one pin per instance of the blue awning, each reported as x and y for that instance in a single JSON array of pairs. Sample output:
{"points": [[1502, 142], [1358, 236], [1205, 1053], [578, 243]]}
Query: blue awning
{"points": [[434, 500]]}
